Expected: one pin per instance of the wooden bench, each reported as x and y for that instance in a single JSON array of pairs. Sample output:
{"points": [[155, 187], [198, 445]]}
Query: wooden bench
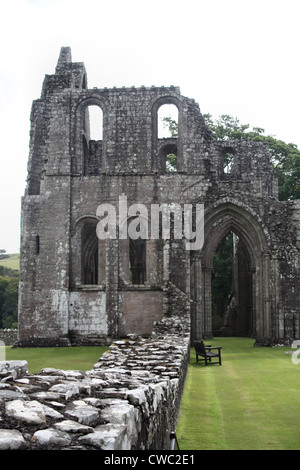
{"points": [[206, 353]]}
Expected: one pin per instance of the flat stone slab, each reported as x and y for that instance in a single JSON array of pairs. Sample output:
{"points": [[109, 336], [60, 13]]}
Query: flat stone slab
{"points": [[31, 412], [52, 437], [15, 368], [11, 439], [83, 413], [7, 394], [107, 437], [73, 427]]}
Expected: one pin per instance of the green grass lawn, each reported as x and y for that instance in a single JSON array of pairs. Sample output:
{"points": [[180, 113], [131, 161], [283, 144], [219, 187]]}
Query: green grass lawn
{"points": [[251, 402], [12, 262], [72, 358]]}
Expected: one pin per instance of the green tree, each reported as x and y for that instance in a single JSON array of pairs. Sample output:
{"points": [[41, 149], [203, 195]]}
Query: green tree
{"points": [[171, 125], [4, 271], [3, 254], [285, 158], [222, 276], [9, 301], [3, 286]]}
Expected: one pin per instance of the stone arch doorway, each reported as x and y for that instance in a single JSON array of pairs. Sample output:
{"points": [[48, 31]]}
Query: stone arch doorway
{"points": [[232, 289], [251, 278]]}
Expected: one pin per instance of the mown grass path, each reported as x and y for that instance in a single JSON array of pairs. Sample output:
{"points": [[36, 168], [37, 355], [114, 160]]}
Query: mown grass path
{"points": [[251, 402]]}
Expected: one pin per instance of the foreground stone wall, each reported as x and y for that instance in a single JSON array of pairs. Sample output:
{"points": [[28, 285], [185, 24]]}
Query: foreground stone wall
{"points": [[128, 401]]}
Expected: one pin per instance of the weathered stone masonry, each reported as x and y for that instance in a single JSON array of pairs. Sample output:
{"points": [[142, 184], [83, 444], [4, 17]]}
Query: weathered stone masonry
{"points": [[128, 401], [76, 289]]}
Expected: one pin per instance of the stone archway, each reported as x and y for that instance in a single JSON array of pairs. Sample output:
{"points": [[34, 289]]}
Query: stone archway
{"points": [[219, 221], [232, 288]]}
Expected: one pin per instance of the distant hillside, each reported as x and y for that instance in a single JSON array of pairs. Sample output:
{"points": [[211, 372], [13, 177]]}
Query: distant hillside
{"points": [[12, 262]]}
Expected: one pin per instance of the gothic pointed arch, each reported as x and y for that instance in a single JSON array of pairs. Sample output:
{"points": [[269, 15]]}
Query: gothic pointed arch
{"points": [[162, 147], [90, 152], [87, 253], [221, 219], [231, 215]]}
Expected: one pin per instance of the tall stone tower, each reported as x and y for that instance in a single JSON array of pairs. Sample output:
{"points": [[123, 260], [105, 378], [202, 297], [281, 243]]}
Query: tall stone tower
{"points": [[78, 288]]}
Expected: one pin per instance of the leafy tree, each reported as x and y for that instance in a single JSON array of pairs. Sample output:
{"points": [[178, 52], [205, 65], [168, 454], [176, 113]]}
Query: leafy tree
{"points": [[10, 305], [2, 254], [171, 125], [285, 158], [222, 276], [9, 301], [171, 162], [3, 287], [4, 271]]}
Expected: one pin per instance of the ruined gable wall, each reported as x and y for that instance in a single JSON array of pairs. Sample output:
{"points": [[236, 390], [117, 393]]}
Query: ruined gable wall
{"points": [[68, 179]]}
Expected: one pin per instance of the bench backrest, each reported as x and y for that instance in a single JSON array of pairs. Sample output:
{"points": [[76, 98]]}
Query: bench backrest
{"points": [[199, 346]]}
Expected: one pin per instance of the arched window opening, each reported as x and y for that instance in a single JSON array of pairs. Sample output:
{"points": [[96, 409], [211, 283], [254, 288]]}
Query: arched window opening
{"points": [[167, 121], [84, 82], [92, 140], [137, 261], [228, 160], [222, 281], [89, 254], [96, 122], [231, 288], [168, 155], [167, 130]]}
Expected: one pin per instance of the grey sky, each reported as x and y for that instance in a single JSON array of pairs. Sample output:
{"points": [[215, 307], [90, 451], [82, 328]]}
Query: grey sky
{"points": [[233, 57]]}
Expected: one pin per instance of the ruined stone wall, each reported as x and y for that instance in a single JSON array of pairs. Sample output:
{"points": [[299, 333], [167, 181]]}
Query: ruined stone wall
{"points": [[76, 288], [128, 401]]}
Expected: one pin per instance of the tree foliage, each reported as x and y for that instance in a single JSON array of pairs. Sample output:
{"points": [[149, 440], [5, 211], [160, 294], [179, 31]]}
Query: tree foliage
{"points": [[9, 301], [171, 125], [3, 254], [285, 157], [222, 276], [9, 285]]}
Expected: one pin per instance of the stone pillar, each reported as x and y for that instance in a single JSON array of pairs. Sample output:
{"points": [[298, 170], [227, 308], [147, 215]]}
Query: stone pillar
{"points": [[207, 331], [253, 306], [198, 301], [266, 295], [112, 294], [259, 306], [275, 296], [166, 261]]}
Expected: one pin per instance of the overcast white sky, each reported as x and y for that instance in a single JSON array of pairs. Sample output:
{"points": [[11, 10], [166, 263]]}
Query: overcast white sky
{"points": [[234, 57]]}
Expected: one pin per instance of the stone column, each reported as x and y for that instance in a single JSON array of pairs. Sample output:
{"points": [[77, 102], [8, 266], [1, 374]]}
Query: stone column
{"points": [[266, 295], [207, 331], [112, 292], [198, 304], [253, 306], [258, 301]]}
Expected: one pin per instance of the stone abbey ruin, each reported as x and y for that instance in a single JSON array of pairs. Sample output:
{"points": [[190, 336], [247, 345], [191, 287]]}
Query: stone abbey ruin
{"points": [[77, 288]]}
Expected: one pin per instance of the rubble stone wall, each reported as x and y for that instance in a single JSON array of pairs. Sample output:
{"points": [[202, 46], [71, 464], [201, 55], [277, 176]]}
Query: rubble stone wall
{"points": [[128, 401]]}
